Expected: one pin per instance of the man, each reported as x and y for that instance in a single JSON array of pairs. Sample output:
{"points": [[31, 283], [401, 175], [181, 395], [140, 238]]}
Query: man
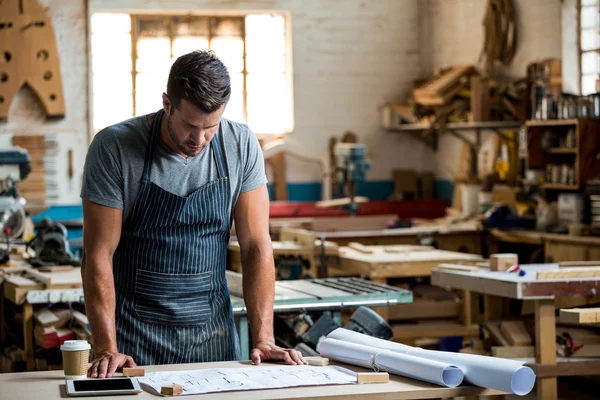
{"points": [[159, 194]]}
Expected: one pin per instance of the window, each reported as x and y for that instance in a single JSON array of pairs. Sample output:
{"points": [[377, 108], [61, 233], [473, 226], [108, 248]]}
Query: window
{"points": [[132, 55], [589, 45]]}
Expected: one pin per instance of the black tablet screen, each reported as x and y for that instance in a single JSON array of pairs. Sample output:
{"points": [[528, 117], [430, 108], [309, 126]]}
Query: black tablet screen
{"points": [[89, 385]]}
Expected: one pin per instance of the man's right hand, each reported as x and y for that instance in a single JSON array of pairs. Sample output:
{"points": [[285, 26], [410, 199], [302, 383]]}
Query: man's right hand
{"points": [[107, 363]]}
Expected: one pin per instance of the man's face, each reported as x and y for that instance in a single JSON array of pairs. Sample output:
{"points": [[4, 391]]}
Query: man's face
{"points": [[191, 129]]}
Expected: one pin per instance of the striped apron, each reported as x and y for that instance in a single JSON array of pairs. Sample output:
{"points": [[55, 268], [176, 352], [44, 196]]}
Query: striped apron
{"points": [[173, 303]]}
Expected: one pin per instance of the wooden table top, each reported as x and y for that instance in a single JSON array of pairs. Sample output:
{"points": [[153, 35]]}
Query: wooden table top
{"points": [[511, 285], [50, 385]]}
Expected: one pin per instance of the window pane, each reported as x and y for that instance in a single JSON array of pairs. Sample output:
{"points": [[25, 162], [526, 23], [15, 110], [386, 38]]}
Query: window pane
{"points": [[589, 2], [230, 50], [267, 103], [235, 108], [590, 39], [112, 98], [107, 23], [111, 52], [154, 55], [191, 26], [590, 63], [184, 45], [153, 27], [590, 17], [589, 84], [149, 88], [265, 25], [262, 63], [227, 27]]}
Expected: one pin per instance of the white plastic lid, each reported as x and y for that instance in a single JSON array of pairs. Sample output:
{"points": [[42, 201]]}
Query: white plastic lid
{"points": [[75, 345]]}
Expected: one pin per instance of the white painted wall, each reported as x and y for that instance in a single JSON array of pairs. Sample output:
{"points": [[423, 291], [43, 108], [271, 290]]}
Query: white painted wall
{"points": [[452, 33], [349, 57], [26, 114]]}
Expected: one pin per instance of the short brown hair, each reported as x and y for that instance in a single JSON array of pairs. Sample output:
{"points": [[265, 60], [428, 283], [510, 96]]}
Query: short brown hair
{"points": [[200, 78]]}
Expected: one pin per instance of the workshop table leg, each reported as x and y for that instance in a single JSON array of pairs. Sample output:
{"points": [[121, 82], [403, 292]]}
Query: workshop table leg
{"points": [[466, 308], [244, 335], [384, 312], [545, 337], [28, 335]]}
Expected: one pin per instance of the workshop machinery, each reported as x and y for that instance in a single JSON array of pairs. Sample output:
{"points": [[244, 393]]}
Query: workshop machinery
{"points": [[351, 169]]}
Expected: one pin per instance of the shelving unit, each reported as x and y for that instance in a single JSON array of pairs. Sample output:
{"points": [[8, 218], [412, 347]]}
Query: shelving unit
{"points": [[584, 157]]}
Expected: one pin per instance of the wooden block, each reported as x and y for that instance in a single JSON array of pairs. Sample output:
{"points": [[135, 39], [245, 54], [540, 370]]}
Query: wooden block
{"points": [[46, 317], [494, 329], [80, 318], [372, 377], [590, 272], [56, 268], [20, 281], [513, 351], [580, 316], [63, 315], [515, 333], [173, 390], [588, 350], [318, 362], [456, 267], [361, 248], [134, 372], [502, 262]]}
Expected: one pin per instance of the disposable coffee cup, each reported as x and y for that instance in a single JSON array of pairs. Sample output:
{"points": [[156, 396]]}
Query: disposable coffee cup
{"points": [[75, 354]]}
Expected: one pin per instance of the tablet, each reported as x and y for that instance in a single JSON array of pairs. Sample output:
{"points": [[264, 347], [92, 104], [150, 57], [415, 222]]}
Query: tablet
{"points": [[103, 387]]}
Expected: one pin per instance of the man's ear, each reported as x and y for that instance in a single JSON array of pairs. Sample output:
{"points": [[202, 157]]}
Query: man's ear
{"points": [[166, 103]]}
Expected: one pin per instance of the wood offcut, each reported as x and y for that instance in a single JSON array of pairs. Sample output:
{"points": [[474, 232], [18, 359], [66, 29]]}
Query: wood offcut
{"points": [[372, 377]]}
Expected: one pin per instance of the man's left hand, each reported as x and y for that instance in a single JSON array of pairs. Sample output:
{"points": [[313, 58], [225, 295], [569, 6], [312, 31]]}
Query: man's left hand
{"points": [[270, 351]]}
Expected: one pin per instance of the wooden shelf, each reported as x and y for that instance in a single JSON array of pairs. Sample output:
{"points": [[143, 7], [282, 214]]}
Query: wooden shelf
{"points": [[559, 186], [552, 122], [459, 125], [562, 150]]}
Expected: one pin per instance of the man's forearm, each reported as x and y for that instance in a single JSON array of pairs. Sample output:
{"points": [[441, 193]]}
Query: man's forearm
{"points": [[259, 289], [99, 291]]}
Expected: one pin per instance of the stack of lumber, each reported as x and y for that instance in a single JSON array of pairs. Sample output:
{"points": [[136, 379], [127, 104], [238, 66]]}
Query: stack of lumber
{"points": [[54, 327], [33, 188], [459, 94]]}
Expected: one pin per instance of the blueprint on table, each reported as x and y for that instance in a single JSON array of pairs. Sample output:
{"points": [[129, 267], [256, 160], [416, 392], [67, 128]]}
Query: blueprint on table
{"points": [[247, 378]]}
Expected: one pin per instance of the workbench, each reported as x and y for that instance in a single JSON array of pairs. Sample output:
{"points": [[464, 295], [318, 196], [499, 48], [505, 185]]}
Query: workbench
{"points": [[543, 293], [63, 287], [300, 295], [464, 238], [556, 247], [381, 263], [49, 385], [332, 294]]}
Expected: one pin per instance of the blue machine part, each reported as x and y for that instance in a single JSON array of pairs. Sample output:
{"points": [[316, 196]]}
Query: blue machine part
{"points": [[14, 159]]}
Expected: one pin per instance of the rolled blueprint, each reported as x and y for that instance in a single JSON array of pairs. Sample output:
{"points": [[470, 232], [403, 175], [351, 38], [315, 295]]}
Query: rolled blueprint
{"points": [[440, 373], [489, 372]]}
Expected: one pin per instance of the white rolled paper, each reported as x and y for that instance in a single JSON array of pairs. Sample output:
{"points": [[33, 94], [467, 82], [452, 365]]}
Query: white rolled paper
{"points": [[490, 372], [440, 373]]}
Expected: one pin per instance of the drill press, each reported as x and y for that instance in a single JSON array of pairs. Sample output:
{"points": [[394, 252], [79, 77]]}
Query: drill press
{"points": [[351, 168]]}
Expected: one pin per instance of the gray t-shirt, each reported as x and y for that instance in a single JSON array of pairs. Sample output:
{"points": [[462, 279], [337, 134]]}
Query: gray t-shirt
{"points": [[115, 163]]}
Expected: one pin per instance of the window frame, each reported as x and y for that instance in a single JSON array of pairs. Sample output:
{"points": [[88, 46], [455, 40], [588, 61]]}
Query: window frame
{"points": [[211, 15], [580, 50]]}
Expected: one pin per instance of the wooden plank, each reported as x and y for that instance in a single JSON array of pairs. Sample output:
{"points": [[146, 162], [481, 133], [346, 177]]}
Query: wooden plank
{"points": [[20, 281], [516, 333], [352, 223], [360, 248], [588, 350], [545, 336], [424, 309], [456, 267], [583, 368], [440, 329], [513, 351], [45, 317], [340, 202], [568, 264], [580, 316], [568, 273], [494, 329]]}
